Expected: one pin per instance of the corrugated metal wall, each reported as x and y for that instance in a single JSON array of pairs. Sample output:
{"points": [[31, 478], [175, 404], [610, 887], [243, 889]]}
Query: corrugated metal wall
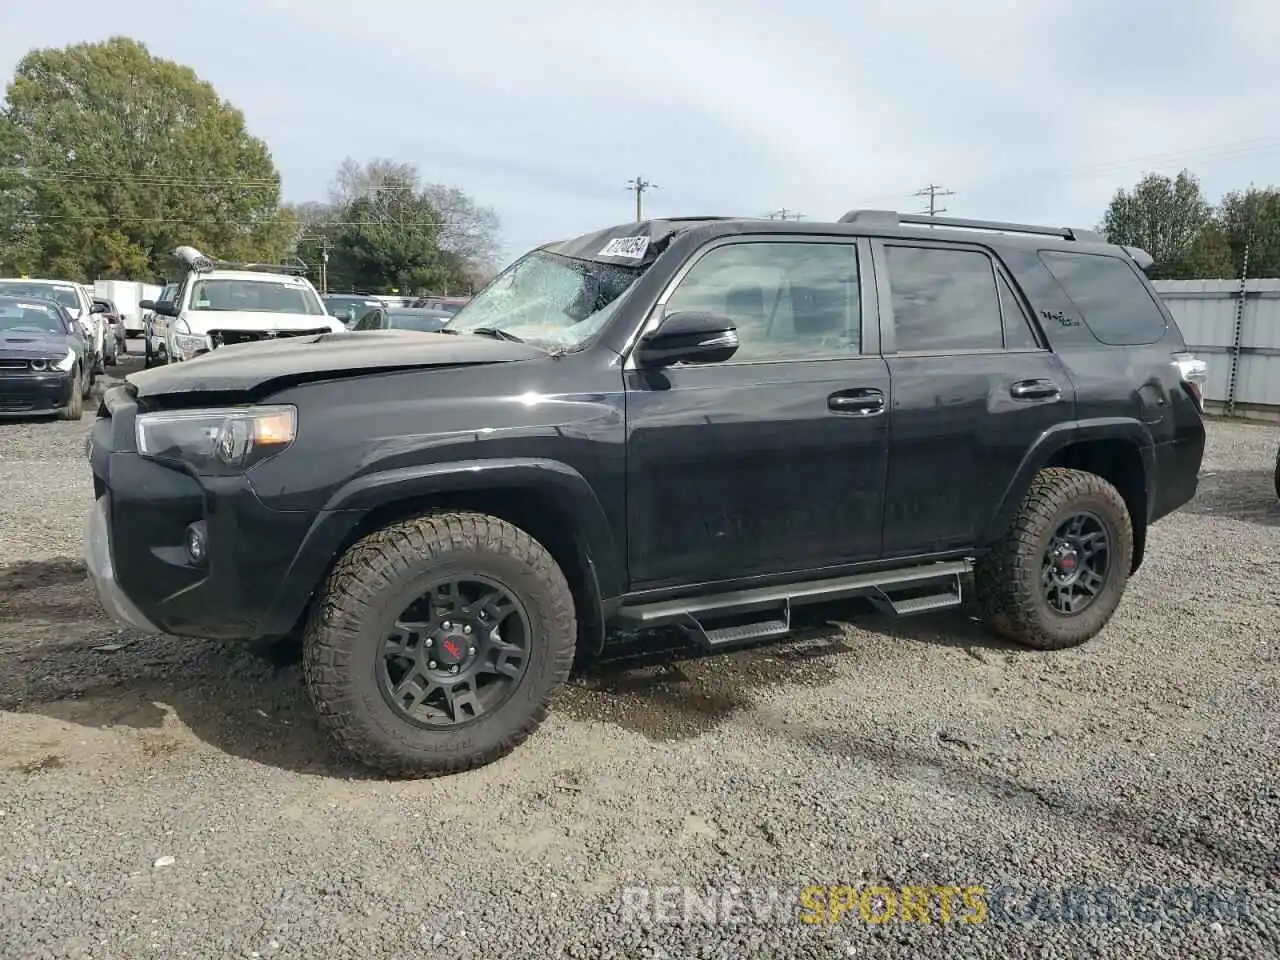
{"points": [[1242, 348]]}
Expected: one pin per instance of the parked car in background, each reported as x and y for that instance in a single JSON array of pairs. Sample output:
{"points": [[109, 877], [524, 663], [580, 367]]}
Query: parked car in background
{"points": [[447, 304], [117, 334], [403, 318], [155, 326], [349, 307], [396, 300], [75, 299], [44, 359], [220, 303]]}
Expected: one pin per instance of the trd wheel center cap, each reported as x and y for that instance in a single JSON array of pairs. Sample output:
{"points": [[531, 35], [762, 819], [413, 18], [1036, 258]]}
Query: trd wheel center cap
{"points": [[1066, 561], [451, 649]]}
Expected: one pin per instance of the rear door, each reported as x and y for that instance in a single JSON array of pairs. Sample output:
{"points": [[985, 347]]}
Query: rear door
{"points": [[974, 385]]}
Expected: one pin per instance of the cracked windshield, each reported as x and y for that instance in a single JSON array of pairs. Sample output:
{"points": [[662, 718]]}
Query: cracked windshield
{"points": [[721, 480]]}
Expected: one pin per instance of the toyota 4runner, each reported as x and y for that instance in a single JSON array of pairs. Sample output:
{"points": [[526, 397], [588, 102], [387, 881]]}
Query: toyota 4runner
{"points": [[698, 423]]}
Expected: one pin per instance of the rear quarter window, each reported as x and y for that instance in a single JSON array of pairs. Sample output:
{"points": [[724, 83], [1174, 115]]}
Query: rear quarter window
{"points": [[1112, 300]]}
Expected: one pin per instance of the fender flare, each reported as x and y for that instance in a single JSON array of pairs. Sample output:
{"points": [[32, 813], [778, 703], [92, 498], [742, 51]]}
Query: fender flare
{"points": [[352, 502], [1060, 436]]}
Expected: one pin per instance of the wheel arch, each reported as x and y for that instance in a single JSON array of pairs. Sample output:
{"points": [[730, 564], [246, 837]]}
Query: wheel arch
{"points": [[549, 500], [1120, 450]]}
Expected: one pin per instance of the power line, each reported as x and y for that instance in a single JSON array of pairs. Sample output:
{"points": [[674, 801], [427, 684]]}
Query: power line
{"points": [[638, 186], [1093, 171], [933, 192]]}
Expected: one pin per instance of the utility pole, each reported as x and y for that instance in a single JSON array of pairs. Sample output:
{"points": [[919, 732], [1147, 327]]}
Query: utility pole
{"points": [[933, 191], [325, 247], [784, 214], [638, 186]]}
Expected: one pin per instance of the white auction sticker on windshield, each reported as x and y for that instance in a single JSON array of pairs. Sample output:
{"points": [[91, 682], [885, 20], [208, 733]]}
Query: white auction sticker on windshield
{"points": [[631, 247]]}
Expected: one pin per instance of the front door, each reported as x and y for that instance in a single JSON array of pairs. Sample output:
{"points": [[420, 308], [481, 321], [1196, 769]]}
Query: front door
{"points": [[774, 461], [973, 388]]}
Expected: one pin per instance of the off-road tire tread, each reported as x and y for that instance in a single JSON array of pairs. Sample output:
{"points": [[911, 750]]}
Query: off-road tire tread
{"points": [[1008, 578], [375, 563]]}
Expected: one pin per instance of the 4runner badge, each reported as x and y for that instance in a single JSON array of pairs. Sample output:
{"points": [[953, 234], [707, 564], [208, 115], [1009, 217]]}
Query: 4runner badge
{"points": [[631, 247]]}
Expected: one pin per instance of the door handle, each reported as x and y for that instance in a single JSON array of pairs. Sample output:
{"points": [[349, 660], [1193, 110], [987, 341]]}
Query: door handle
{"points": [[863, 403], [1035, 390]]}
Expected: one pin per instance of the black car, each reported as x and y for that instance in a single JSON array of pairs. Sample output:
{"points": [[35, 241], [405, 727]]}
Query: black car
{"points": [[403, 318], [42, 359], [698, 424]]}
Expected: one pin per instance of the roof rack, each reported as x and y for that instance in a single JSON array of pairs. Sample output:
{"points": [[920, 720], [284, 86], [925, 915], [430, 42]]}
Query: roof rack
{"points": [[198, 262], [891, 218]]}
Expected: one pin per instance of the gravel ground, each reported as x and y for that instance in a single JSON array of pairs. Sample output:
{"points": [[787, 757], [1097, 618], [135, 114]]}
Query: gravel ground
{"points": [[175, 799]]}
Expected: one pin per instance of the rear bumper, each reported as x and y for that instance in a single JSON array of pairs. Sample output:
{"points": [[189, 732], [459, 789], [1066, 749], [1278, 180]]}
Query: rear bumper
{"points": [[1177, 465], [29, 393]]}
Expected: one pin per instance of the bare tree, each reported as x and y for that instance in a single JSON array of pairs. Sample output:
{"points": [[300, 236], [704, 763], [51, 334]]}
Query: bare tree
{"points": [[355, 181], [467, 230]]}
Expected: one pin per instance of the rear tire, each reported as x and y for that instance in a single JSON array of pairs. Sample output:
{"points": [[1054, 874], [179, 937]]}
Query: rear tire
{"points": [[1032, 586], [74, 410], [380, 692]]}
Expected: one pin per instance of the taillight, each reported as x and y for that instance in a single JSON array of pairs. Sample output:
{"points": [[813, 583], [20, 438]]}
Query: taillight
{"points": [[1195, 374]]}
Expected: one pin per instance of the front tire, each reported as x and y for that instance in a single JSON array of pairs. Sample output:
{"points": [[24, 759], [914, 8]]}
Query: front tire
{"points": [[74, 410], [1057, 576], [437, 643], [1277, 474]]}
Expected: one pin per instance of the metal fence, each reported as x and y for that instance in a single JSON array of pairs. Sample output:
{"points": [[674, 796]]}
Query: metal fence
{"points": [[1237, 332]]}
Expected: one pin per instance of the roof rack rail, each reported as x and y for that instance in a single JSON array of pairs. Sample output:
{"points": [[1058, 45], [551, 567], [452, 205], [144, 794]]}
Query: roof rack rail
{"points": [[891, 218], [200, 263]]}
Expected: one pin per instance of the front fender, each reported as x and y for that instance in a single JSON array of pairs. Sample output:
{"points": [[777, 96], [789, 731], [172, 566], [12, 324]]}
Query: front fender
{"points": [[352, 503], [1057, 438]]}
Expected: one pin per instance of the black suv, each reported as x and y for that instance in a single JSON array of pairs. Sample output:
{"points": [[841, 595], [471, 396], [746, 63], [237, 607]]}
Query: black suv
{"points": [[698, 423]]}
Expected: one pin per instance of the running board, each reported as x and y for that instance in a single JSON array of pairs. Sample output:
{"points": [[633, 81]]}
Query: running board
{"points": [[933, 586]]}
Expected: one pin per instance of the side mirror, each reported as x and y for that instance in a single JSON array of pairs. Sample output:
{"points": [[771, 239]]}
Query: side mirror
{"points": [[146, 304], [99, 308], [690, 336], [166, 308]]}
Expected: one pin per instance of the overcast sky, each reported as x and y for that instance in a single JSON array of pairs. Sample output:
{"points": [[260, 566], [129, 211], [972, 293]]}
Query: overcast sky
{"points": [[1028, 109]]}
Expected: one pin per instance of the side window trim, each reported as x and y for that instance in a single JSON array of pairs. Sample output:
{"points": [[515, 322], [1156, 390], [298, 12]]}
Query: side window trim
{"points": [[869, 333], [888, 322], [1026, 314]]}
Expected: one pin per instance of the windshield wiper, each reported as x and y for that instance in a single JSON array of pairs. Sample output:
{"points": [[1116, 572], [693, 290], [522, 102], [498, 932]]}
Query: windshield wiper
{"points": [[496, 333]]}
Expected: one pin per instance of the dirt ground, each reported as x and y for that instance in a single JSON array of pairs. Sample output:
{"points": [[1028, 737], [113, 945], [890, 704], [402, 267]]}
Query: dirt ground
{"points": [[863, 751]]}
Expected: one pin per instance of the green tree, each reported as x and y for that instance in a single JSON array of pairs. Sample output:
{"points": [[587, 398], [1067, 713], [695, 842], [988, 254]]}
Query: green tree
{"points": [[127, 155], [388, 240], [1168, 219], [1252, 218], [16, 247]]}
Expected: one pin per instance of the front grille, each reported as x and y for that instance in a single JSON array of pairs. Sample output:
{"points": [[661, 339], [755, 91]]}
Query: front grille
{"points": [[227, 338], [14, 366], [16, 405]]}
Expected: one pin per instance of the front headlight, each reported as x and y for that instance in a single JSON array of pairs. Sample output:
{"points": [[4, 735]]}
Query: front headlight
{"points": [[67, 362], [233, 438]]}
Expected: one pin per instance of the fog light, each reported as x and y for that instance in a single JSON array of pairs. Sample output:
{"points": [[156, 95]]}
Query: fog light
{"points": [[197, 543]]}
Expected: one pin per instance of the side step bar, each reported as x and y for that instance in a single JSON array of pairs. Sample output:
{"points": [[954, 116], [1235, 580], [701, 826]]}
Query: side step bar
{"points": [[764, 612]]}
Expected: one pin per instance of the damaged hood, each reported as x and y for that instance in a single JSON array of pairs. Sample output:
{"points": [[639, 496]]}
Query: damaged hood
{"points": [[250, 366]]}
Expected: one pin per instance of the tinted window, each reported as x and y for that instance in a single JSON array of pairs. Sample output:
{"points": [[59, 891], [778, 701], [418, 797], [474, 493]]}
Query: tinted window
{"points": [[944, 299], [789, 300], [1112, 300], [1018, 334]]}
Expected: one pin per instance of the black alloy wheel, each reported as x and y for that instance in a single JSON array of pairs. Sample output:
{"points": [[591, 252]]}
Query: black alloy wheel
{"points": [[456, 653]]}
